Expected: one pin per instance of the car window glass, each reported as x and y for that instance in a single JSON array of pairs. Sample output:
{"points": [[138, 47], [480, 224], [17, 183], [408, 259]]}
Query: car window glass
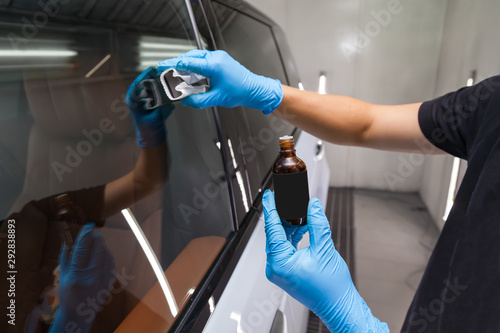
{"points": [[65, 129], [251, 43]]}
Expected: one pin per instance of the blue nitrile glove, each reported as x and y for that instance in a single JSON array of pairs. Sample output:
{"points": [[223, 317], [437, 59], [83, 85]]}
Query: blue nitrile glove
{"points": [[85, 283], [316, 276], [294, 233], [231, 84], [149, 124]]}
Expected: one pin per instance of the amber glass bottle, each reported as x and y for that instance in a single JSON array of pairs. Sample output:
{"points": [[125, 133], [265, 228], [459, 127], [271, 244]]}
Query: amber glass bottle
{"points": [[70, 219], [291, 190]]}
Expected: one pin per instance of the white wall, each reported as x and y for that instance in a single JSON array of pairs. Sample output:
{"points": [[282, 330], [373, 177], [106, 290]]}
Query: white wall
{"points": [[426, 50], [391, 60]]}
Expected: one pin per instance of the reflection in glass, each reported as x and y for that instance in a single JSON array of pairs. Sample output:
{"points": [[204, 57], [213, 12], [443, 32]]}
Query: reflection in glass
{"points": [[65, 129], [152, 50], [153, 260], [254, 136], [239, 178]]}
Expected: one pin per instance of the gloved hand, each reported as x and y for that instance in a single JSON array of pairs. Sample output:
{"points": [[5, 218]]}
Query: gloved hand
{"points": [[316, 276], [231, 84], [86, 273], [149, 124], [294, 233]]}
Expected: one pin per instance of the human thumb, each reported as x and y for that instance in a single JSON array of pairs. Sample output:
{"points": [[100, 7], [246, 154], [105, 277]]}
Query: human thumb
{"points": [[318, 225], [202, 100]]}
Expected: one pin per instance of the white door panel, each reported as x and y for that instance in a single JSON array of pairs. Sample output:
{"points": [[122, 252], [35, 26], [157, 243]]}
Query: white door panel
{"points": [[249, 301], [312, 151]]}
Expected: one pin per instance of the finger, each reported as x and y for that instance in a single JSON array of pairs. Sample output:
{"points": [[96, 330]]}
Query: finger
{"points": [[133, 93], [82, 247], [172, 62], [189, 61], [166, 64], [276, 242], [202, 101], [148, 73], [200, 65], [318, 226], [196, 53]]}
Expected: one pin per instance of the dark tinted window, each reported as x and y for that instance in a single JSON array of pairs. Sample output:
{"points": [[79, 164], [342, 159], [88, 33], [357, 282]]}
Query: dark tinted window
{"points": [[251, 42], [64, 128]]}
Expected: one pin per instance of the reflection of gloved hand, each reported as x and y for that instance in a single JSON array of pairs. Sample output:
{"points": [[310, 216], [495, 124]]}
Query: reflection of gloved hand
{"points": [[85, 283], [316, 276], [231, 84], [149, 124]]}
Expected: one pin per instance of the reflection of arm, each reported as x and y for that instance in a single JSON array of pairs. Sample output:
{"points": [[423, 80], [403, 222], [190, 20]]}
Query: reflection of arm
{"points": [[349, 121], [148, 176], [150, 171]]}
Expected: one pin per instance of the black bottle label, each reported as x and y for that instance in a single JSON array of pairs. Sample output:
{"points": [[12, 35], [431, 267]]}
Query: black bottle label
{"points": [[291, 193]]}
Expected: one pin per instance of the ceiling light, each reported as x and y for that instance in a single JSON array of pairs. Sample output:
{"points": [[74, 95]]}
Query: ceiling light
{"points": [[322, 83], [37, 53], [472, 78], [160, 55], [146, 45]]}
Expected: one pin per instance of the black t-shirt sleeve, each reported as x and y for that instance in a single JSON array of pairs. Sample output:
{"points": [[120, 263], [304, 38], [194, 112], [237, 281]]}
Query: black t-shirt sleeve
{"points": [[451, 122]]}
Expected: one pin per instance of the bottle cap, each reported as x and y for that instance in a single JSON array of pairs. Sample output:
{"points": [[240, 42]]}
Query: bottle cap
{"points": [[63, 199]]}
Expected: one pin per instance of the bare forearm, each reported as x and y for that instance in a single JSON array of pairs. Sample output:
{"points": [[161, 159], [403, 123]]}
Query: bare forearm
{"points": [[148, 176], [349, 121], [333, 118]]}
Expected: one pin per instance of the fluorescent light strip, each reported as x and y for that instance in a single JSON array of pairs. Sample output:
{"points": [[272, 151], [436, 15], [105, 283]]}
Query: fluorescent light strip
{"points": [[322, 84], [35, 66], [239, 178], [37, 53], [96, 67], [41, 41], [147, 45], [149, 63], [452, 188], [153, 260], [161, 55]]}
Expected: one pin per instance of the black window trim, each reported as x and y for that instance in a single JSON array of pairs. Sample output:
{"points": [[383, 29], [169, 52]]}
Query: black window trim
{"points": [[264, 20]]}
